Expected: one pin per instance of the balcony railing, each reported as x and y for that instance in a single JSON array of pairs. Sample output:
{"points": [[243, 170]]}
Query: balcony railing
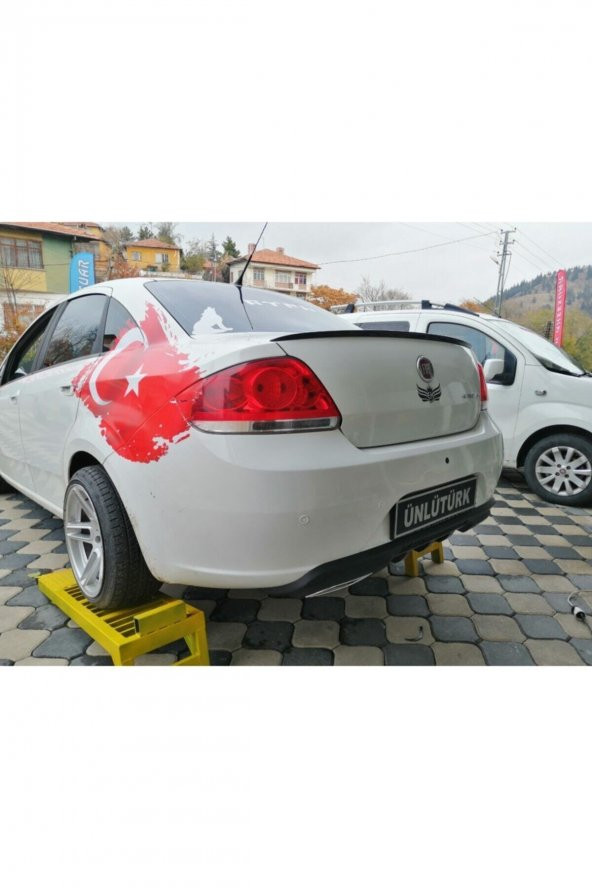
{"points": [[281, 285]]}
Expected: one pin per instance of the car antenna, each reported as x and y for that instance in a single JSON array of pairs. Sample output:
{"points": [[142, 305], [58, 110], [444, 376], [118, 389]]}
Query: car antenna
{"points": [[242, 274]]}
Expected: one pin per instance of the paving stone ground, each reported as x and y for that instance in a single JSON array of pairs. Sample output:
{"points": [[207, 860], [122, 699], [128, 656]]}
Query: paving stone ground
{"points": [[500, 598]]}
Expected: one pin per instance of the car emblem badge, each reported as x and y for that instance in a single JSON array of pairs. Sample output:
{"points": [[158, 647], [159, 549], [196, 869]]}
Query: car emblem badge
{"points": [[428, 393], [425, 368]]}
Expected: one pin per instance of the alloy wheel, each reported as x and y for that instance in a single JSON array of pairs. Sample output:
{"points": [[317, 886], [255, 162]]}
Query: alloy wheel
{"points": [[563, 471], [84, 540]]}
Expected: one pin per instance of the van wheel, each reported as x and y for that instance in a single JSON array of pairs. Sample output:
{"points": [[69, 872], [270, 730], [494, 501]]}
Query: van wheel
{"points": [[559, 469], [104, 553]]}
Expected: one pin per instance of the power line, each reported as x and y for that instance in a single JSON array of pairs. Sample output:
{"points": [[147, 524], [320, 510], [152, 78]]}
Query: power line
{"points": [[538, 258], [477, 226], [487, 227], [403, 252], [442, 236], [471, 227], [530, 262], [538, 246]]}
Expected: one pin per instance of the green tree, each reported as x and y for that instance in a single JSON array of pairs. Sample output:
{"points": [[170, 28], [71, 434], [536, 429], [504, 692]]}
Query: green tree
{"points": [[166, 232], [145, 232], [194, 257], [577, 331], [213, 250], [229, 248], [127, 234]]}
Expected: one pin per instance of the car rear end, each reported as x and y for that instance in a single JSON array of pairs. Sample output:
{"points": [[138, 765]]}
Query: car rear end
{"points": [[318, 462]]}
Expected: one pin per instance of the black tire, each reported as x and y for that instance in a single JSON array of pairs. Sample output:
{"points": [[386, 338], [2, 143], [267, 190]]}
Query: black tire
{"points": [[580, 444], [126, 578], [5, 486]]}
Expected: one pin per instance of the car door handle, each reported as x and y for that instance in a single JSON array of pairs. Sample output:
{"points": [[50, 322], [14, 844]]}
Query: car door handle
{"points": [[14, 398], [540, 392], [66, 389]]}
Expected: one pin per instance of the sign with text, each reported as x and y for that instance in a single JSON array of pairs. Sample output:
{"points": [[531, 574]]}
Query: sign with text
{"points": [[560, 300], [82, 271]]}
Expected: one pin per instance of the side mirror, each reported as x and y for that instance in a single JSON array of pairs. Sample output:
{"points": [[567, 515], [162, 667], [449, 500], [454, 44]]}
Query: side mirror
{"points": [[492, 367]]}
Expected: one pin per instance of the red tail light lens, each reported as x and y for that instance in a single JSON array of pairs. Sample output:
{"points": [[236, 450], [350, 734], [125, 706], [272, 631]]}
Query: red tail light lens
{"points": [[270, 395], [482, 385]]}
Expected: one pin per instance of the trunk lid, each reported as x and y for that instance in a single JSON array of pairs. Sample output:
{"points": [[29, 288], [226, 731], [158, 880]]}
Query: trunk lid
{"points": [[375, 380]]}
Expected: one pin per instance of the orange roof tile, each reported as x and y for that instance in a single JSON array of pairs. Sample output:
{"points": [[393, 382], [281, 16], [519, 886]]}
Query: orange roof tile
{"points": [[82, 224], [274, 257], [53, 228]]}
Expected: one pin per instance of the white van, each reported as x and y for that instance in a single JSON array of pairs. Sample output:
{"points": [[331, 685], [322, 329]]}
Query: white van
{"points": [[539, 396]]}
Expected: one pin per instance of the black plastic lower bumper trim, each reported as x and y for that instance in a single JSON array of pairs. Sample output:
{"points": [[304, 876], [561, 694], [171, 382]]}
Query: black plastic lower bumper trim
{"points": [[351, 568]]}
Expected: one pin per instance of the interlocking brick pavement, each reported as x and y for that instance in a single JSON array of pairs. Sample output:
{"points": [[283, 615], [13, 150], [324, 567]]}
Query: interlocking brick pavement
{"points": [[500, 598]]}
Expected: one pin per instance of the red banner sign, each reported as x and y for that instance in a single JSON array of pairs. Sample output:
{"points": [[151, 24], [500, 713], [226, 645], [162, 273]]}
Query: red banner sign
{"points": [[560, 300]]}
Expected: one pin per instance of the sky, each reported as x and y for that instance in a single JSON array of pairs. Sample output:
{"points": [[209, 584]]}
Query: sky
{"points": [[448, 273]]}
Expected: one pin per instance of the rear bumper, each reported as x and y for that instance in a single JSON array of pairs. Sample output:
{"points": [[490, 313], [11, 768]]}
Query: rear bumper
{"points": [[256, 511], [344, 571]]}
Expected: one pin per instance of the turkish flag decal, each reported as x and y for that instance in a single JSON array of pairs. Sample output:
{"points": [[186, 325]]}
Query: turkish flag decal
{"points": [[132, 390]]}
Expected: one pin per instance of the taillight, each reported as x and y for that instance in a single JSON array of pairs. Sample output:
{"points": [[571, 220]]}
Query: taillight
{"points": [[483, 387], [269, 395]]}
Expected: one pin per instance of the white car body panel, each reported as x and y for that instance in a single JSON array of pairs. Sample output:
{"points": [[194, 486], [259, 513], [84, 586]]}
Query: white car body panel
{"points": [[313, 498], [360, 375], [246, 510]]}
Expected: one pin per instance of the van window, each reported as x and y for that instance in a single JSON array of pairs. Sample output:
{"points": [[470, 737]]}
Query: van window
{"points": [[483, 347]]}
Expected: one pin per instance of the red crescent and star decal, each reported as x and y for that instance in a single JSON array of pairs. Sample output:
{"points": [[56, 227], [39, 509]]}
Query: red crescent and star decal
{"points": [[132, 390]]}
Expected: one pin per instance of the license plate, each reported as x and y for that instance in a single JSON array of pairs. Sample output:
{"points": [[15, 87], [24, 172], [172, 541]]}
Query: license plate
{"points": [[434, 505]]}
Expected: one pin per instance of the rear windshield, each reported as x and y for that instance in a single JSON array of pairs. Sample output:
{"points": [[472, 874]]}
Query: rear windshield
{"points": [[202, 306], [271, 312], [206, 307]]}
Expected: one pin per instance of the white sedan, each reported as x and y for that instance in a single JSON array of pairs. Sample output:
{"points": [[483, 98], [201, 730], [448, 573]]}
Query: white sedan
{"points": [[222, 436]]}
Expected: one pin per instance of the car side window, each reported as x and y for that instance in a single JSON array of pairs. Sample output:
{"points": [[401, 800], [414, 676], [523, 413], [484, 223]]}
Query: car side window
{"points": [[118, 322], [483, 346], [75, 334], [22, 359]]}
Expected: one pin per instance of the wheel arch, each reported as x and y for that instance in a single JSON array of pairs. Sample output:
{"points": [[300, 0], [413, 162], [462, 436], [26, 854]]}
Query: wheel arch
{"points": [[80, 460], [545, 433]]}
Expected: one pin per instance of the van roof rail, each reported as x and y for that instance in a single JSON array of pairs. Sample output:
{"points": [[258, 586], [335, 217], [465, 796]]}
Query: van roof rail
{"points": [[425, 304]]}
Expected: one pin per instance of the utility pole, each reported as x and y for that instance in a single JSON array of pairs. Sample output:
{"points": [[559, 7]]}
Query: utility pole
{"points": [[505, 243]]}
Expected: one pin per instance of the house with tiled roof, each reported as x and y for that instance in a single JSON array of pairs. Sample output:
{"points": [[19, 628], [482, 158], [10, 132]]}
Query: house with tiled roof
{"points": [[100, 248], [153, 255], [275, 270], [35, 260]]}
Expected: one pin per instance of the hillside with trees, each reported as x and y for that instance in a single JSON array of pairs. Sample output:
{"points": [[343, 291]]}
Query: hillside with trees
{"points": [[532, 303], [539, 293]]}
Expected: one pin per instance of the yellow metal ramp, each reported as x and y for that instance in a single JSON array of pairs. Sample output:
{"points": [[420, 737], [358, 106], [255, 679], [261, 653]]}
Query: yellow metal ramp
{"points": [[436, 550], [128, 633]]}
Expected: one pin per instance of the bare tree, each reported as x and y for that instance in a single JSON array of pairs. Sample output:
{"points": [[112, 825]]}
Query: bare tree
{"points": [[368, 292], [15, 282]]}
